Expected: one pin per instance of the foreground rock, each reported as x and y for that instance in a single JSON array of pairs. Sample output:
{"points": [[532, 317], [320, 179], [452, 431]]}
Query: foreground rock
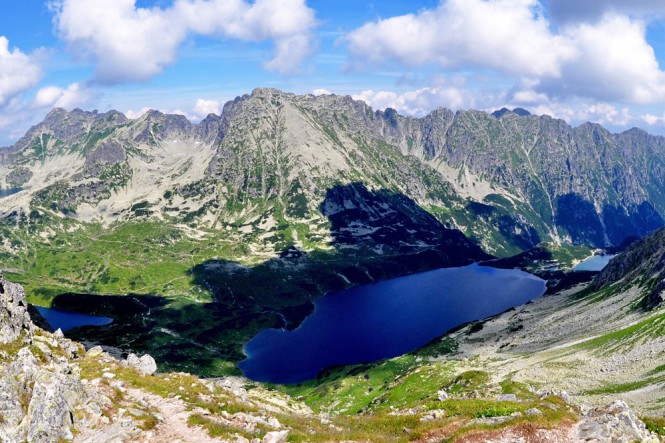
{"points": [[144, 364], [39, 390], [613, 423]]}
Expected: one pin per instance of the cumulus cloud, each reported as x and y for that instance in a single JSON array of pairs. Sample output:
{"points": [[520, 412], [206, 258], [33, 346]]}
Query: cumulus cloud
{"points": [[75, 95], [128, 43], [18, 71], [511, 36], [19, 113], [456, 95], [321, 91], [564, 11], [614, 62], [420, 101], [133, 115], [651, 119], [607, 60], [19, 108], [205, 107]]}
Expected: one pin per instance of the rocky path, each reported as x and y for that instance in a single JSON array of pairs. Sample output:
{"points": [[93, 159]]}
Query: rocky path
{"points": [[173, 427]]}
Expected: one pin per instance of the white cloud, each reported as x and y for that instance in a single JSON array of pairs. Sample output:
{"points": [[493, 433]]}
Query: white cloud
{"points": [[321, 91], [75, 95], [18, 72], [128, 43], [133, 115], [608, 60], [205, 107], [579, 111], [651, 119], [185, 114], [421, 101], [511, 36], [528, 97], [19, 113], [615, 62]]}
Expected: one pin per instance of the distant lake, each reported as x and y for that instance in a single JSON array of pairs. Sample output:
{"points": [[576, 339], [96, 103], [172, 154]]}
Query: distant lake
{"points": [[385, 319], [70, 320], [594, 263], [8, 192]]}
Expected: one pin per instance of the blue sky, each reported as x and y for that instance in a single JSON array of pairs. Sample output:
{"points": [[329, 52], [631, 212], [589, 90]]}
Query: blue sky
{"points": [[595, 60]]}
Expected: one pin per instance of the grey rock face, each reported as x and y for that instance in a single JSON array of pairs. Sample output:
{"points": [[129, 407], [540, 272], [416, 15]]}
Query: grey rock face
{"points": [[14, 316], [615, 423], [54, 397], [37, 402], [19, 176], [38, 395]]}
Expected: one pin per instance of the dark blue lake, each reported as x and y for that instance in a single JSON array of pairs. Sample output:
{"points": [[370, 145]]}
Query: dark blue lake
{"points": [[8, 192], [384, 320], [69, 320]]}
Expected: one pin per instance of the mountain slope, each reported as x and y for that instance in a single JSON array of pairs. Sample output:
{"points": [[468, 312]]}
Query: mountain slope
{"points": [[598, 341]]}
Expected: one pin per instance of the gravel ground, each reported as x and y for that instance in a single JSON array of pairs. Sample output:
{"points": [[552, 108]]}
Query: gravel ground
{"points": [[545, 343]]}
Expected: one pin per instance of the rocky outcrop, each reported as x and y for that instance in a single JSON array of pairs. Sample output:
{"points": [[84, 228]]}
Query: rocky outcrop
{"points": [[614, 423], [39, 393], [40, 385], [14, 317]]}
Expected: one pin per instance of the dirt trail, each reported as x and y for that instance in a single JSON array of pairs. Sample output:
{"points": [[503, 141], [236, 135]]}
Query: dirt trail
{"points": [[173, 428]]}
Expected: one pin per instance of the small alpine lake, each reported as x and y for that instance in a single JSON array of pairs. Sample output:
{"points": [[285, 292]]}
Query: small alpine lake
{"points": [[11, 191], [70, 320], [594, 263], [384, 320]]}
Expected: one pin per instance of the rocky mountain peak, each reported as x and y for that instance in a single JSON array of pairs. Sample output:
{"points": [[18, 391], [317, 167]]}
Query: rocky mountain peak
{"points": [[505, 111]]}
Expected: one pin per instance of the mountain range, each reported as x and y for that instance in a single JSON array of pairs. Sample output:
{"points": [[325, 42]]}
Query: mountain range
{"points": [[264, 169], [194, 237]]}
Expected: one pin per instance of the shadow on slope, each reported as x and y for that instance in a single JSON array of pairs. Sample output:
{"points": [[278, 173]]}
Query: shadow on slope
{"points": [[375, 235], [578, 218]]}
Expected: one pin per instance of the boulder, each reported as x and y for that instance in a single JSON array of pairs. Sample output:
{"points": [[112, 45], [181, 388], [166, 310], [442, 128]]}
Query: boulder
{"points": [[275, 437], [145, 364]]}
